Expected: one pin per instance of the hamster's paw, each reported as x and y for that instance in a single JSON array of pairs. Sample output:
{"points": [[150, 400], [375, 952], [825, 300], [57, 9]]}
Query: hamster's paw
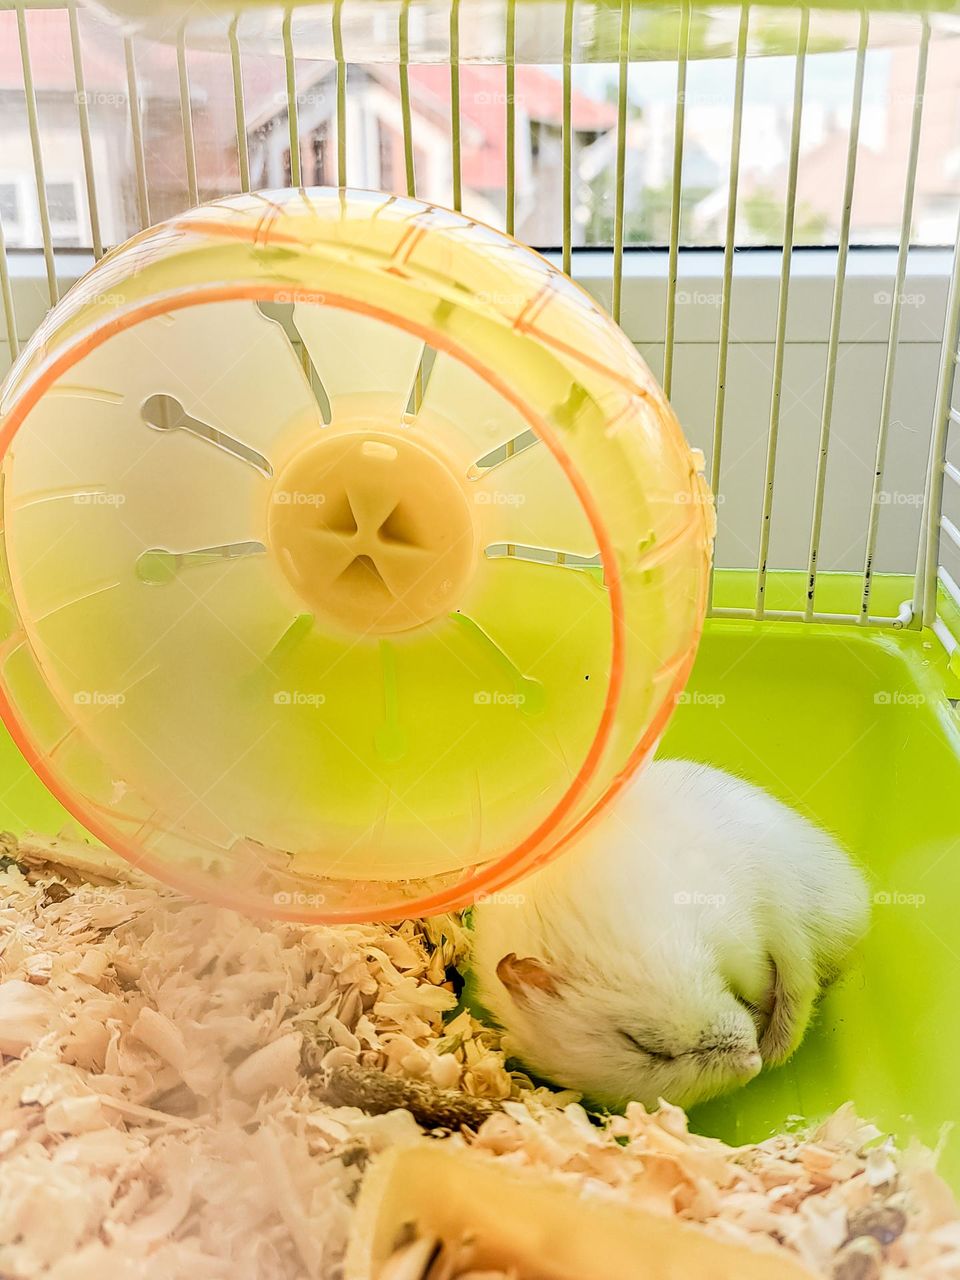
{"points": [[790, 1010]]}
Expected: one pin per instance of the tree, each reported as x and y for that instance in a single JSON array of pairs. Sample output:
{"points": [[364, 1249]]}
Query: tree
{"points": [[764, 212]]}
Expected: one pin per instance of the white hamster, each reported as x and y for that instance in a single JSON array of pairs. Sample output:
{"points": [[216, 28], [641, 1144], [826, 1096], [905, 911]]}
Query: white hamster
{"points": [[678, 947]]}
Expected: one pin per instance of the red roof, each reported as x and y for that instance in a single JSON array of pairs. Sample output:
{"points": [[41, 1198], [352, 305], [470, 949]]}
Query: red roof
{"points": [[483, 111], [538, 93], [104, 66], [51, 59]]}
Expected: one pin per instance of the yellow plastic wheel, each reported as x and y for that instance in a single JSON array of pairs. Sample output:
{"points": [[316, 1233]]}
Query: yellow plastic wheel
{"points": [[354, 556]]}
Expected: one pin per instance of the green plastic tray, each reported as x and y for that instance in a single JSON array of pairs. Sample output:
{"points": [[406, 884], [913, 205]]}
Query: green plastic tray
{"points": [[856, 728]]}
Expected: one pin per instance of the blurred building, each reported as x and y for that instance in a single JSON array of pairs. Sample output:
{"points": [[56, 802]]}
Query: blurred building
{"points": [[375, 151]]}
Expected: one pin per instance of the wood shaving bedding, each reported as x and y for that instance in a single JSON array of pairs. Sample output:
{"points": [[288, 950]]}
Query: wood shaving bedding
{"points": [[173, 1081]]}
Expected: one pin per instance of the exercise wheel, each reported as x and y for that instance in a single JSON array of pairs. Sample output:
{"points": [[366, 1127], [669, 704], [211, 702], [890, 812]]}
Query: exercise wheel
{"points": [[353, 557]]}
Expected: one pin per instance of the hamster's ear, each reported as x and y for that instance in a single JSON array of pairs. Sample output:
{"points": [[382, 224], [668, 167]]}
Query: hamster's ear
{"points": [[524, 977]]}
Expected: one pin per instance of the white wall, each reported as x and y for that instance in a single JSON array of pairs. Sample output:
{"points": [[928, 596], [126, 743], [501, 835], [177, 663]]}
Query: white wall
{"points": [[860, 369], [861, 361]]}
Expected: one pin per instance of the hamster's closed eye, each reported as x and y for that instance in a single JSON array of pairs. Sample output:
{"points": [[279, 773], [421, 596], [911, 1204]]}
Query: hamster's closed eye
{"points": [[644, 1048]]}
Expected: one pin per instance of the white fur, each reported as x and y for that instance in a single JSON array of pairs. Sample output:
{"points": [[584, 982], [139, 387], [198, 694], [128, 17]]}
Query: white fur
{"points": [[699, 915]]}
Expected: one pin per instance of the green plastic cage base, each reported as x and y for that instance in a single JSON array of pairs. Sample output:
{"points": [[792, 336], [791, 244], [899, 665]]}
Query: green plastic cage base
{"points": [[656, 27], [854, 727]]}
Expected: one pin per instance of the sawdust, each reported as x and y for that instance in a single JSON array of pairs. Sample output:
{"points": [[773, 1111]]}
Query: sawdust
{"points": [[166, 1106]]}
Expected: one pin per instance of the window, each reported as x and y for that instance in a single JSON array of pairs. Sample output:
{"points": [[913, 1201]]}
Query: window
{"points": [[320, 146], [63, 207], [376, 109], [10, 214], [385, 147], [62, 203], [534, 140]]}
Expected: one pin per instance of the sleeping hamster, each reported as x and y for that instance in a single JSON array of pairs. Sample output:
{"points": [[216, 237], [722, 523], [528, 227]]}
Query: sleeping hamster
{"points": [[678, 947]]}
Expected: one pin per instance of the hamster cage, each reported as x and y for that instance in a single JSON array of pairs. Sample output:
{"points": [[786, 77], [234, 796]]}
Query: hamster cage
{"points": [[818, 379]]}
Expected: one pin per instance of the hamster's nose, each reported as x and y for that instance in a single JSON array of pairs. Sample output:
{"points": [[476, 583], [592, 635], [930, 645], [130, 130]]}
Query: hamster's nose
{"points": [[752, 1062]]}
